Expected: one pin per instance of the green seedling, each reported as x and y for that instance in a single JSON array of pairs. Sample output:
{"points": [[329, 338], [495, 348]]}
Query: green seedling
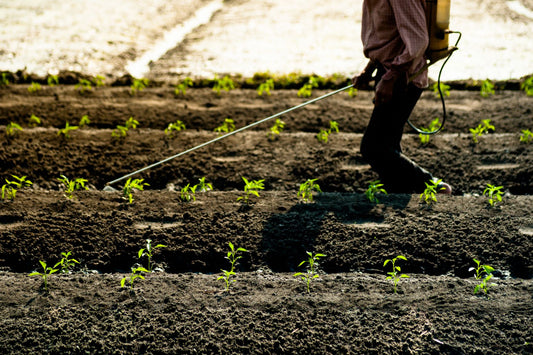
{"points": [[323, 135], [135, 274], [52, 80], [494, 194], [10, 188], [276, 129], [121, 132], [306, 190], [72, 185], [526, 136], [483, 273], [181, 88], [203, 186], [65, 132], [226, 84], [34, 87], [429, 196], [395, 275], [226, 127], [232, 257], [250, 188], [149, 252], [84, 121], [445, 89], [66, 263], [12, 129], [433, 126], [487, 88], [34, 121], [138, 85], [4, 81], [375, 187], [527, 86], [352, 92], [311, 273], [47, 271], [265, 87], [307, 89], [484, 127], [188, 193], [130, 186], [84, 85], [174, 127], [99, 81]]}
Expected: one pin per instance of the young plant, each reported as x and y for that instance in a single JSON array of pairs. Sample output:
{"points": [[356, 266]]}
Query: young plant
{"points": [[12, 129], [34, 121], [352, 92], [311, 273], [149, 252], [98, 81], [135, 274], [494, 194], [487, 88], [122, 131], [226, 84], [52, 80], [429, 196], [395, 275], [47, 271], [138, 85], [232, 257], [226, 127], [84, 85], [445, 89], [526, 136], [323, 135], [434, 125], [203, 186], [375, 187], [66, 263], [306, 190], [130, 186], [265, 87], [484, 127], [188, 193], [174, 127], [65, 132], [34, 87], [307, 89], [527, 86], [84, 121], [181, 88], [72, 185], [250, 188], [4, 81], [10, 188], [276, 129], [483, 273]]}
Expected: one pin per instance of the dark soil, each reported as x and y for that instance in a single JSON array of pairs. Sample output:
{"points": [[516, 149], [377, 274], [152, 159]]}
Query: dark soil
{"points": [[183, 308]]}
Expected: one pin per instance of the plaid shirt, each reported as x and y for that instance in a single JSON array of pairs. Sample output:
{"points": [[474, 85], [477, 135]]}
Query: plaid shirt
{"points": [[394, 33]]}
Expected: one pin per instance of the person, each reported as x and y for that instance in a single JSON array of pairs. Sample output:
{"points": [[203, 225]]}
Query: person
{"points": [[395, 38]]}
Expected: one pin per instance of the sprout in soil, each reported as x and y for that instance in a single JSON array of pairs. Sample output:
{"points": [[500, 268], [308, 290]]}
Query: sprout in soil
{"points": [[12, 129], [64, 133], [494, 194], [181, 88], [375, 187], [434, 125], [138, 85], [232, 257], [188, 193], [34, 87], [4, 81], [429, 196], [250, 188], [265, 87], [526, 136], [307, 89], [34, 121], [10, 188], [527, 86], [66, 263], [84, 121], [483, 273], [311, 273], [98, 80], [149, 252], [84, 85], [352, 92], [130, 186], [226, 127], [203, 186], [306, 190], [226, 84], [395, 275], [484, 127], [276, 129], [177, 126], [52, 80], [445, 89], [72, 185], [122, 131], [323, 135], [47, 271], [135, 274], [487, 88]]}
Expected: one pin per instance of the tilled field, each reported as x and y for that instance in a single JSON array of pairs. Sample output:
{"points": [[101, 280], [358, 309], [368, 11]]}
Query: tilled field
{"points": [[351, 307]]}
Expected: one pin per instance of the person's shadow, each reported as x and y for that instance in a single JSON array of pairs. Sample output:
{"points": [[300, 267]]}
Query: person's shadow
{"points": [[288, 236]]}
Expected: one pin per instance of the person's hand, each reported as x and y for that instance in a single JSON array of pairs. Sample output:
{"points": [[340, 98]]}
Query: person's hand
{"points": [[362, 80], [389, 81]]}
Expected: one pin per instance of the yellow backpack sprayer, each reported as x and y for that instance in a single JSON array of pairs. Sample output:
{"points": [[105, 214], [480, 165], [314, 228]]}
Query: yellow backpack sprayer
{"points": [[438, 19]]}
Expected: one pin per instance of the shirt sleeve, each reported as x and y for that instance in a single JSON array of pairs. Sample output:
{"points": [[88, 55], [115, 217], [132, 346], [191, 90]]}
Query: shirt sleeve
{"points": [[410, 17]]}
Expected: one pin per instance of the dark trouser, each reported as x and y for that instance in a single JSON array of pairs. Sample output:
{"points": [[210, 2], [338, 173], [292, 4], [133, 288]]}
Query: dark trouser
{"points": [[380, 146]]}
